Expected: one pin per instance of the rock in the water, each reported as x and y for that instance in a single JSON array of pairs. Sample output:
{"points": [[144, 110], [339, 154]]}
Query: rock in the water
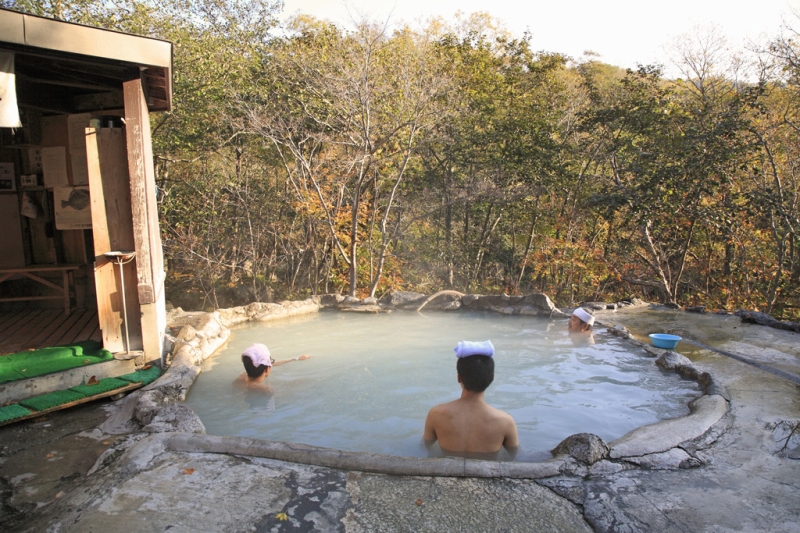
{"points": [[671, 360], [631, 302], [584, 447], [620, 331], [469, 299], [330, 300], [540, 301], [455, 305], [599, 306], [403, 298], [365, 309]]}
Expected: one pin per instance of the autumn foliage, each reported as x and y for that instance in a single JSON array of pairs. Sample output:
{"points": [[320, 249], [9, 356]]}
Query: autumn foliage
{"points": [[310, 159]]}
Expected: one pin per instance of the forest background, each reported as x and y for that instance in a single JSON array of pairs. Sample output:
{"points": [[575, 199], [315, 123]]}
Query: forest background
{"points": [[303, 158]]}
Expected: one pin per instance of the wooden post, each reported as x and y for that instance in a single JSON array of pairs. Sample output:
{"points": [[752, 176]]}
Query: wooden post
{"points": [[149, 255], [112, 228]]}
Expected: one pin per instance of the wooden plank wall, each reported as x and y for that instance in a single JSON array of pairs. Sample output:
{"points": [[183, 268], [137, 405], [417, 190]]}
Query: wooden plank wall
{"points": [[112, 226]]}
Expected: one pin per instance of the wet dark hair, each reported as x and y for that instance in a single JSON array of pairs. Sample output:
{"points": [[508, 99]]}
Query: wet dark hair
{"points": [[252, 371], [476, 372]]}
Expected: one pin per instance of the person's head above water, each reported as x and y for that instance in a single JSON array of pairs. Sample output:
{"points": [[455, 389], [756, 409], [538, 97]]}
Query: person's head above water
{"points": [[257, 361], [475, 372], [581, 320], [475, 365], [468, 426]]}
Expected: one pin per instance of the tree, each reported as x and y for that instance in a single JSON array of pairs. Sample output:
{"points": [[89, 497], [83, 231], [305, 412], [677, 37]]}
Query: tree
{"points": [[346, 110]]}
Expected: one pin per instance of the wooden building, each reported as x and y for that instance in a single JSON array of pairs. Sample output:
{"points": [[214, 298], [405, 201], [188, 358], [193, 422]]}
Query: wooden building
{"points": [[77, 188]]}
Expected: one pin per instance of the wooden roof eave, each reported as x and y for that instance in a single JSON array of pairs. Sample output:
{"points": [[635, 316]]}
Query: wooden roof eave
{"points": [[54, 38]]}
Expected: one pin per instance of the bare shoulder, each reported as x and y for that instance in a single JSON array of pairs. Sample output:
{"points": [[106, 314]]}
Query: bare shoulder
{"points": [[441, 409], [499, 413], [501, 416]]}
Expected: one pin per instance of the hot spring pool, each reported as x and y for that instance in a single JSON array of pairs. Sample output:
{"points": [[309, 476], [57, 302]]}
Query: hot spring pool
{"points": [[372, 379]]}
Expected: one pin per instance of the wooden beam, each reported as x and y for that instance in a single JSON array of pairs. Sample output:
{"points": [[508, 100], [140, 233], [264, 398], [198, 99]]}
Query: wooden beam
{"points": [[98, 101], [150, 264], [64, 83], [140, 168]]}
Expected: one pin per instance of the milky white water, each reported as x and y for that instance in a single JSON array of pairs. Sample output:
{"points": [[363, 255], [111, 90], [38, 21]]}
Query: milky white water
{"points": [[372, 379]]}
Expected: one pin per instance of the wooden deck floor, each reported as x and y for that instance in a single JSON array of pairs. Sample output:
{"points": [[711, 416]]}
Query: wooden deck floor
{"points": [[41, 328]]}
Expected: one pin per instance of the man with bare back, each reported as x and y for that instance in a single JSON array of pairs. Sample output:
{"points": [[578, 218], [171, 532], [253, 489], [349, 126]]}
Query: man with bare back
{"points": [[468, 426]]}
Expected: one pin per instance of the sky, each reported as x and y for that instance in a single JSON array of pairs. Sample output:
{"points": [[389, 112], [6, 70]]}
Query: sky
{"points": [[623, 32]]}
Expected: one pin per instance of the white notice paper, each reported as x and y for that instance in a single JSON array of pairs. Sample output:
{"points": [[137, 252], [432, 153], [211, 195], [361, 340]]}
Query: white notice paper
{"points": [[54, 166], [35, 160], [72, 208]]}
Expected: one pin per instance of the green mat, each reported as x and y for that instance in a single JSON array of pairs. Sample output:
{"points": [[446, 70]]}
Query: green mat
{"points": [[34, 363], [144, 377], [104, 385], [10, 412], [53, 399], [48, 401]]}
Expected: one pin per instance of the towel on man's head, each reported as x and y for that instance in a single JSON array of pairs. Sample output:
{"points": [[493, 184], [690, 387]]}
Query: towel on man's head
{"points": [[258, 354], [584, 315], [467, 348]]}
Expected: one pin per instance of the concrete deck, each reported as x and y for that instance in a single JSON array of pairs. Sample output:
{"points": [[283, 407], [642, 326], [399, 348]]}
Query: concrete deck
{"points": [[69, 473]]}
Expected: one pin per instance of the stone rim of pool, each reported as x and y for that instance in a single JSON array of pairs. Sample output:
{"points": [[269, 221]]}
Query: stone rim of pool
{"points": [[655, 443]]}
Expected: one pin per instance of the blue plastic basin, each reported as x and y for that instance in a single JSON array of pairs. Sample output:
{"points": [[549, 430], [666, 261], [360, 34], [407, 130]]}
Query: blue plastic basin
{"points": [[664, 340]]}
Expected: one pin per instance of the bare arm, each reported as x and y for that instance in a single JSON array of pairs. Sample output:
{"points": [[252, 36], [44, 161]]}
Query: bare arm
{"points": [[284, 361], [429, 435], [511, 440]]}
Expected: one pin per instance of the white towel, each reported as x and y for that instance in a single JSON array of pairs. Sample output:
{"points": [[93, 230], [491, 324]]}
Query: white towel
{"points": [[9, 112], [584, 315], [467, 348], [258, 354]]}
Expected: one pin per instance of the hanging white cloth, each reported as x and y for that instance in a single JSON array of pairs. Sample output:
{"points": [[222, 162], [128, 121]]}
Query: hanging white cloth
{"points": [[9, 112]]}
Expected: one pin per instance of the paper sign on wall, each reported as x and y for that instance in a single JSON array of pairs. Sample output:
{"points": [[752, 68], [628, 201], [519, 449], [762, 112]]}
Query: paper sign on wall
{"points": [[29, 208], [54, 166], [7, 181], [35, 160], [72, 208]]}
